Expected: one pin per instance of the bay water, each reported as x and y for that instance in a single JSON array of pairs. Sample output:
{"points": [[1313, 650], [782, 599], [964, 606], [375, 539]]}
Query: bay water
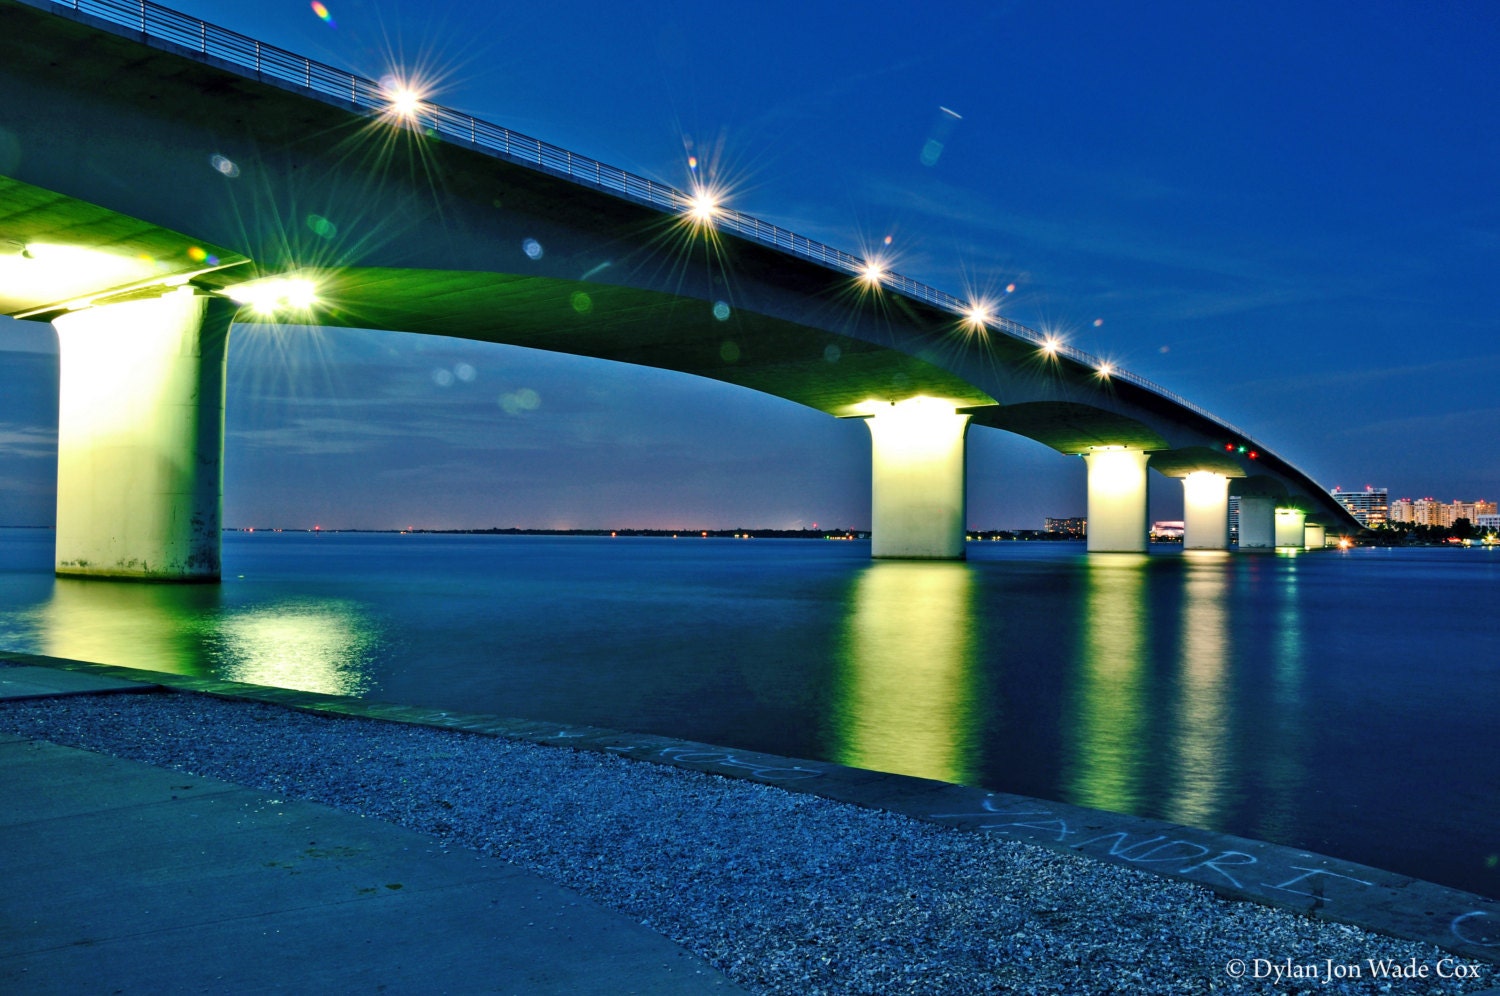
{"points": [[1342, 702]]}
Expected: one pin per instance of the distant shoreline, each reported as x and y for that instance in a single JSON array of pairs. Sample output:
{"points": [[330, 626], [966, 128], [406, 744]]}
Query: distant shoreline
{"points": [[621, 532]]}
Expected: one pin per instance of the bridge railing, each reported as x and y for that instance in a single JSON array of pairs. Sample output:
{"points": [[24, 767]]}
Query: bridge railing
{"points": [[366, 95]]}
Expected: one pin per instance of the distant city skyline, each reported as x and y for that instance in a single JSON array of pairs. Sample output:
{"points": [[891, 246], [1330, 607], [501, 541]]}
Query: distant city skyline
{"points": [[1285, 214]]}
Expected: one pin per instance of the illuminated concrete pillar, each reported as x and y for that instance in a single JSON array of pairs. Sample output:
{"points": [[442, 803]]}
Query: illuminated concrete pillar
{"points": [[917, 500], [1315, 536], [1257, 522], [140, 439], [1117, 500], [1290, 527], [1205, 511]]}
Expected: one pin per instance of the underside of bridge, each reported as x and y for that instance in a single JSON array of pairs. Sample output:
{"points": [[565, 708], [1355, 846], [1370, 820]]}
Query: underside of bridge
{"points": [[389, 229]]}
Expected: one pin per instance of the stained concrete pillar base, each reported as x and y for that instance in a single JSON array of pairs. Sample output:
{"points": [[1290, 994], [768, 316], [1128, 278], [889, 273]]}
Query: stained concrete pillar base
{"points": [[917, 498], [1117, 500], [1257, 522], [1291, 531], [140, 439], [1205, 511]]}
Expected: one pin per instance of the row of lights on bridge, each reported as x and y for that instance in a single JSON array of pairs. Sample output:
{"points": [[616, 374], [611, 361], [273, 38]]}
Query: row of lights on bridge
{"points": [[299, 294], [703, 207]]}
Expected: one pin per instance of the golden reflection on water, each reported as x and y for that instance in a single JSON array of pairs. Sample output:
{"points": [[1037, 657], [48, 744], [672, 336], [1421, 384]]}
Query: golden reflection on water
{"points": [[1106, 760], [1200, 744], [314, 645], [904, 688]]}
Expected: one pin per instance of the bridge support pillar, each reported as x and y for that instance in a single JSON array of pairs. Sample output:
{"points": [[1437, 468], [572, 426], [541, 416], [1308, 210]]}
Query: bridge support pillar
{"points": [[1205, 511], [1257, 522], [917, 496], [1316, 537], [140, 439], [1117, 500], [1291, 528]]}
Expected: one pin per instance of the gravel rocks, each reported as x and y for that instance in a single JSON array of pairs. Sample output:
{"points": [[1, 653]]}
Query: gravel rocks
{"points": [[785, 893]]}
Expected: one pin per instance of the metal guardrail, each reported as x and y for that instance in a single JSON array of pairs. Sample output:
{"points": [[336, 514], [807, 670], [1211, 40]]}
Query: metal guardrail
{"points": [[366, 95]]}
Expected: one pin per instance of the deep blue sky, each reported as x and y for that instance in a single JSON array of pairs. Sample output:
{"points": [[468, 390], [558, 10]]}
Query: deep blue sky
{"points": [[1287, 213]]}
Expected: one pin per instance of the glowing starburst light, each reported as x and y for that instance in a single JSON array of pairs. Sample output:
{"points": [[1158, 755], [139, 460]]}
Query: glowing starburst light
{"points": [[978, 315], [278, 294], [703, 206], [1105, 370], [872, 272], [1050, 345], [406, 102], [403, 97]]}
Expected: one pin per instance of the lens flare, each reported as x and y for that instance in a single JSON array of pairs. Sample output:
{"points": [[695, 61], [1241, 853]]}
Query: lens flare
{"points": [[323, 14]]}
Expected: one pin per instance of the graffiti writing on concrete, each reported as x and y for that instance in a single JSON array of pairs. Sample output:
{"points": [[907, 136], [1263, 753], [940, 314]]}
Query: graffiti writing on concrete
{"points": [[721, 759], [1180, 854]]}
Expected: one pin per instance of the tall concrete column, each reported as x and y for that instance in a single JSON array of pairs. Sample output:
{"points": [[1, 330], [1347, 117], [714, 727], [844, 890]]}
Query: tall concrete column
{"points": [[917, 498], [1257, 522], [1315, 536], [140, 440], [1117, 500], [1205, 511], [1290, 528]]}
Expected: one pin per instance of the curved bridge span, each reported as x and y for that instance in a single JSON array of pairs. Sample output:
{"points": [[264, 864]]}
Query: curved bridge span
{"points": [[160, 178]]}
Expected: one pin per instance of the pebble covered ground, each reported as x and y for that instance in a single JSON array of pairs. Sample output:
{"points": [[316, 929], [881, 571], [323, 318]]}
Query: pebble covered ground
{"points": [[785, 893]]}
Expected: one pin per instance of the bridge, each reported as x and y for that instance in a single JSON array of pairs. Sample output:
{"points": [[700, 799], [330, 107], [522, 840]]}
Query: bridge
{"points": [[162, 178]]}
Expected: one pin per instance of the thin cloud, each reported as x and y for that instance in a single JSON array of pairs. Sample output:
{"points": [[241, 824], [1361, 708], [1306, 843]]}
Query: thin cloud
{"points": [[27, 441]]}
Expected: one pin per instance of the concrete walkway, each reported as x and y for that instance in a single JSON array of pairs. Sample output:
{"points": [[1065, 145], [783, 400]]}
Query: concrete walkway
{"points": [[126, 878]]}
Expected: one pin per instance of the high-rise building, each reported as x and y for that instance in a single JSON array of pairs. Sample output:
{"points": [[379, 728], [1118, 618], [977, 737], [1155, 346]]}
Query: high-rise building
{"points": [[1370, 507], [1431, 512], [1068, 527], [1472, 510]]}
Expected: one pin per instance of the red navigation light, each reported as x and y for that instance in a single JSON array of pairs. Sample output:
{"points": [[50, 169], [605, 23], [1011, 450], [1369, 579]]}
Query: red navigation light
{"points": [[1228, 447], [1253, 454]]}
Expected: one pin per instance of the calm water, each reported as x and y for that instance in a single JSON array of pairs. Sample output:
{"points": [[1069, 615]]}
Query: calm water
{"points": [[1345, 703]]}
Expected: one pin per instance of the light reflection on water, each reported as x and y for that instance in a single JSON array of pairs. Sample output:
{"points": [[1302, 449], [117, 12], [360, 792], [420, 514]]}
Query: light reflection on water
{"points": [[1104, 765], [904, 699], [1201, 726], [313, 645], [1275, 697]]}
